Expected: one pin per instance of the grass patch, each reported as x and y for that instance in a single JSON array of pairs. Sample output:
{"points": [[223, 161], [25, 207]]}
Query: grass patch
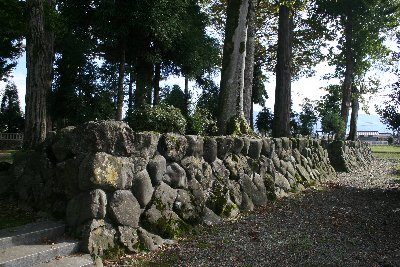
{"points": [[12, 216], [386, 152], [7, 155]]}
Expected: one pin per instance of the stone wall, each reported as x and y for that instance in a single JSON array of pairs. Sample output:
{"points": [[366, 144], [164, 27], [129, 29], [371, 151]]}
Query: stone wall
{"points": [[138, 190]]}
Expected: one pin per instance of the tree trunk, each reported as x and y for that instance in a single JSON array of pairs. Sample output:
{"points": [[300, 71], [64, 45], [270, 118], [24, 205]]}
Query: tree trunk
{"points": [[149, 84], [120, 89], [249, 69], [355, 106], [349, 73], [130, 92], [252, 116], [156, 85], [186, 92], [144, 71], [233, 63], [281, 124], [39, 64]]}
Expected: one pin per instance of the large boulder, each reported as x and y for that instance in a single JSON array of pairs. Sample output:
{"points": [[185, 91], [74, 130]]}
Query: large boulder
{"points": [[129, 237], [145, 144], [156, 168], [255, 148], [173, 146], [225, 146], [165, 223], [197, 169], [255, 189], [195, 146], [112, 137], [175, 176], [67, 175], [237, 166], [219, 199], [97, 237], [187, 207], [142, 188], [210, 149], [105, 171], [151, 241], [86, 206], [124, 208], [282, 182]]}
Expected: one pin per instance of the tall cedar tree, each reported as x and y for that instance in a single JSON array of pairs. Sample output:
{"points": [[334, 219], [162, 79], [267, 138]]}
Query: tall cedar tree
{"points": [[233, 63], [363, 25], [281, 125], [11, 118], [39, 64]]}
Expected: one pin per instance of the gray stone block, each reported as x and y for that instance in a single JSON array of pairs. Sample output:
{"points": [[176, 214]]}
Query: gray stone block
{"points": [[173, 146], [175, 176], [86, 206], [156, 169], [142, 188], [105, 171], [124, 208]]}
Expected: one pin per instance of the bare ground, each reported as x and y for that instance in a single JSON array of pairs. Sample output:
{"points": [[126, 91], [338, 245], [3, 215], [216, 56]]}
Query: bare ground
{"points": [[353, 220]]}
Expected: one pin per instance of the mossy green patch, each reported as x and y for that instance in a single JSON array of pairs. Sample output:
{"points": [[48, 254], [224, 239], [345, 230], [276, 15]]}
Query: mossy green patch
{"points": [[217, 199], [11, 215], [238, 126], [114, 253], [7, 155]]}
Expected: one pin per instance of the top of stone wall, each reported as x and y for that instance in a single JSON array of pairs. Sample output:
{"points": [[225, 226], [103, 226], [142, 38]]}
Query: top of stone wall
{"points": [[118, 139]]}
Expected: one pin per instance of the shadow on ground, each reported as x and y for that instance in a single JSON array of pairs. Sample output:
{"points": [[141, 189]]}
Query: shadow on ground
{"points": [[334, 226]]}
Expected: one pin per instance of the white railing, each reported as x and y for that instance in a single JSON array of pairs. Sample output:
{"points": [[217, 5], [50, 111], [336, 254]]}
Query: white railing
{"points": [[378, 143], [11, 137]]}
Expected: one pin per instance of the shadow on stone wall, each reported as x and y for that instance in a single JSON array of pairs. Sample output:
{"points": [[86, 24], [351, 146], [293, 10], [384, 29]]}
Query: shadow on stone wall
{"points": [[114, 186]]}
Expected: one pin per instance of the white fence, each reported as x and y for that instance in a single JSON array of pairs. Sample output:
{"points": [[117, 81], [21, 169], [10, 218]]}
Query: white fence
{"points": [[11, 136], [378, 143]]}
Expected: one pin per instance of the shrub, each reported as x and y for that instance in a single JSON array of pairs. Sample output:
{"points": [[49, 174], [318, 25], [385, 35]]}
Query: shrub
{"points": [[161, 118], [202, 123]]}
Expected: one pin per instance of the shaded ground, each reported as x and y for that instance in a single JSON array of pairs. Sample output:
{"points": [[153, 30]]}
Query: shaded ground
{"points": [[11, 215], [353, 220]]}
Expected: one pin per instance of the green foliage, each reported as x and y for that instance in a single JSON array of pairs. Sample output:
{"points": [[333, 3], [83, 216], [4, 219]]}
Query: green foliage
{"points": [[202, 123], [174, 97], [11, 117], [12, 29], [371, 22], [390, 140], [238, 126], [11, 215], [77, 97], [161, 118], [332, 123], [307, 117], [264, 121], [208, 99], [390, 112], [114, 253]]}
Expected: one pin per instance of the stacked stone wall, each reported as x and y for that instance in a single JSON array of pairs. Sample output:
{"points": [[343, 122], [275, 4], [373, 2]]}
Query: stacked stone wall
{"points": [[139, 190]]}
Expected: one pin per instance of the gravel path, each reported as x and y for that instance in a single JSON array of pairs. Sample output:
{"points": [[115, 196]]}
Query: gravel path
{"points": [[353, 220]]}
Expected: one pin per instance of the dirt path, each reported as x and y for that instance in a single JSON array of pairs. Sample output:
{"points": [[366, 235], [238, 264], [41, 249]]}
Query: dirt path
{"points": [[353, 220]]}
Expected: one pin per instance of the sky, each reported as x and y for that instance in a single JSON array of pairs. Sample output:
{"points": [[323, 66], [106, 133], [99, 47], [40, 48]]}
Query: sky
{"points": [[311, 88]]}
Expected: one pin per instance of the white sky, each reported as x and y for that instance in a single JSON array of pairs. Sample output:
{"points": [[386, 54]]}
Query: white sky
{"points": [[303, 88]]}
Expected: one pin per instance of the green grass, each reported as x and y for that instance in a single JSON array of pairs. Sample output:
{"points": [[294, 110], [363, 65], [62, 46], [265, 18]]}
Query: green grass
{"points": [[7, 155], [12, 216], [386, 152]]}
